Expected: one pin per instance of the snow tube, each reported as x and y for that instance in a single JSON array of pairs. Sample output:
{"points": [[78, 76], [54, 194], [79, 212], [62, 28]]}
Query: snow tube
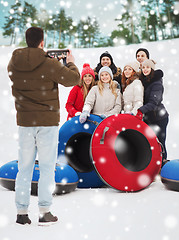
{"points": [[170, 175], [65, 177], [125, 152], [89, 180], [74, 144]]}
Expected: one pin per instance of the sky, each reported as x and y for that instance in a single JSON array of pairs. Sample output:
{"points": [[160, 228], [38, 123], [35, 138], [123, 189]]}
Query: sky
{"points": [[105, 11]]}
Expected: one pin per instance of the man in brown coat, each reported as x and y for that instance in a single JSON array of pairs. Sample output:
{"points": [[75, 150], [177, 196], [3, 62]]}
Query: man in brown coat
{"points": [[35, 78]]}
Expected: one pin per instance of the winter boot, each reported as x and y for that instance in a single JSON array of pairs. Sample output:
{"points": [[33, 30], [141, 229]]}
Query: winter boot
{"points": [[23, 219], [47, 219]]}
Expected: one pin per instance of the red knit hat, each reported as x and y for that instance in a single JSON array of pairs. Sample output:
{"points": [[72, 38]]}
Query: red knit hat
{"points": [[87, 70]]}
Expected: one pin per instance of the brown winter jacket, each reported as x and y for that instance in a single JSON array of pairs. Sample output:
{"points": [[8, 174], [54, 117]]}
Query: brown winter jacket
{"points": [[35, 78]]}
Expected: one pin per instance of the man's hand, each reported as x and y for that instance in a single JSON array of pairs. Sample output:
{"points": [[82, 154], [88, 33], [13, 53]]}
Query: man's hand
{"points": [[70, 57]]}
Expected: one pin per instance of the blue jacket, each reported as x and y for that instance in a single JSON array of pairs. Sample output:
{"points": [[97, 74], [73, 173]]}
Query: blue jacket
{"points": [[153, 109]]}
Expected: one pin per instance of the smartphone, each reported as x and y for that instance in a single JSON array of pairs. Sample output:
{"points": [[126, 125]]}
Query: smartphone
{"points": [[57, 52]]}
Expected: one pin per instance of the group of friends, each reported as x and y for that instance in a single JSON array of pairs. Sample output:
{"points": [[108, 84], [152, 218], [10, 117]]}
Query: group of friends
{"points": [[104, 91], [137, 90]]}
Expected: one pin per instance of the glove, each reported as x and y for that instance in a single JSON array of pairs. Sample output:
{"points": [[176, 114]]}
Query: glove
{"points": [[103, 116], [83, 116], [139, 115], [77, 113]]}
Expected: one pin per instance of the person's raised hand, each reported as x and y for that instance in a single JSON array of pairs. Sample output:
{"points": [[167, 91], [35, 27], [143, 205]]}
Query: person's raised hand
{"points": [[70, 57]]}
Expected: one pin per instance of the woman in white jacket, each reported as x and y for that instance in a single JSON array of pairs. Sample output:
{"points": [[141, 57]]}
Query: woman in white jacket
{"points": [[132, 88], [104, 99]]}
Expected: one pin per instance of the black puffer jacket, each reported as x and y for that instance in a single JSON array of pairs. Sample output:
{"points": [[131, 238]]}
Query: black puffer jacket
{"points": [[153, 109]]}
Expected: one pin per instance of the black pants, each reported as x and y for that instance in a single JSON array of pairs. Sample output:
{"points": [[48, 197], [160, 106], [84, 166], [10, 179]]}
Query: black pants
{"points": [[161, 134]]}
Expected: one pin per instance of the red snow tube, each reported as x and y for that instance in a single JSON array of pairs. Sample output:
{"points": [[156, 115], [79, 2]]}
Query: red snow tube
{"points": [[126, 152]]}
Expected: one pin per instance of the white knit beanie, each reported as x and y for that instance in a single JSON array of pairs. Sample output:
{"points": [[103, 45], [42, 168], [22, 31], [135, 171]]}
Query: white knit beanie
{"points": [[135, 65], [150, 63], [105, 69]]}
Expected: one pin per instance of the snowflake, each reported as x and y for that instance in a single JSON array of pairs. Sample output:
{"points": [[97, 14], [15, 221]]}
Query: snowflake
{"points": [[85, 27], [69, 226], [158, 162], [10, 73], [69, 150], [114, 203], [3, 220], [171, 221], [102, 160], [64, 180], [5, 3], [112, 218], [99, 200], [5, 93], [173, 51], [89, 6], [62, 3], [11, 11], [16, 136], [149, 133], [86, 126], [16, 29], [144, 180]]}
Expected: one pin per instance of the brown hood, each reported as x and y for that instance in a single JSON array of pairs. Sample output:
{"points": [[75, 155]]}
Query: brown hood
{"points": [[27, 59]]}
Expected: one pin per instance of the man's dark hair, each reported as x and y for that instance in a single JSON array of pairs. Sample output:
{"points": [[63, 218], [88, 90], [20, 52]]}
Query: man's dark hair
{"points": [[34, 36]]}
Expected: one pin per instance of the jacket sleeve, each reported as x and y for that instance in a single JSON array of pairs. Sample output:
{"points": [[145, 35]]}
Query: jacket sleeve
{"points": [[90, 100], [138, 96], [71, 101], [118, 105], [67, 75], [155, 98]]}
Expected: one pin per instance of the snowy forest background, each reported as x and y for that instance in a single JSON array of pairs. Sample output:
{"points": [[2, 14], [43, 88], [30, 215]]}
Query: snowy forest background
{"points": [[134, 21]]}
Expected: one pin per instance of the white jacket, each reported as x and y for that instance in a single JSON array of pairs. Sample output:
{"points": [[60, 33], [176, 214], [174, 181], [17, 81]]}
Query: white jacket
{"points": [[133, 97], [105, 104]]}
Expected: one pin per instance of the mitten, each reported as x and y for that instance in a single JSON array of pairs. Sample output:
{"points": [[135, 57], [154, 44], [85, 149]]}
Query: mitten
{"points": [[139, 115], [83, 116]]}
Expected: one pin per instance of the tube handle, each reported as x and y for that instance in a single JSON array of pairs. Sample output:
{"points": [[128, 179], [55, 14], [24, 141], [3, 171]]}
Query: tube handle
{"points": [[103, 136], [162, 147]]}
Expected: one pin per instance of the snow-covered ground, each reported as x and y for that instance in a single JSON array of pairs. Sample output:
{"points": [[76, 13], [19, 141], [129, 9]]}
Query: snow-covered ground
{"points": [[104, 213]]}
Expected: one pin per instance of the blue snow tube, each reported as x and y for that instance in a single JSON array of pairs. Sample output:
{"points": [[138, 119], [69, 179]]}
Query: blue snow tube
{"points": [[74, 144], [170, 175], [65, 177]]}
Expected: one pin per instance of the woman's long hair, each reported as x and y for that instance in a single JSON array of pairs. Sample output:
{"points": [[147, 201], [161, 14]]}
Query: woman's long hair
{"points": [[112, 86], [126, 81], [84, 88]]}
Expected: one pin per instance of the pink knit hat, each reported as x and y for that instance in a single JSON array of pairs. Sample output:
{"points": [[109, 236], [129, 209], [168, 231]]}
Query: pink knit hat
{"points": [[87, 70]]}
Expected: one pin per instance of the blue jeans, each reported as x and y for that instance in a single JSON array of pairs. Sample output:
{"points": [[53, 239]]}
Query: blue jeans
{"points": [[33, 140]]}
